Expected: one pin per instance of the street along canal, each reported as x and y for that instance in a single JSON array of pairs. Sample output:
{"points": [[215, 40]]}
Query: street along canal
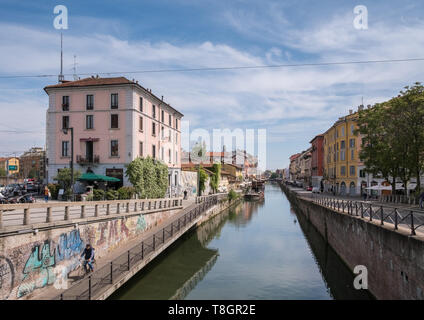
{"points": [[253, 251]]}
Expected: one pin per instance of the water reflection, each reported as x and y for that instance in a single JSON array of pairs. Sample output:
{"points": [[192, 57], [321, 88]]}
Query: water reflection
{"points": [[257, 250]]}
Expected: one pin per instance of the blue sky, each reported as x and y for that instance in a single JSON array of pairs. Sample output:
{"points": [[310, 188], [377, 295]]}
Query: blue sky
{"points": [[293, 104]]}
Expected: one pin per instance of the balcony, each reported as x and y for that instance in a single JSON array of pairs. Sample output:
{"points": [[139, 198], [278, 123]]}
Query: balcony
{"points": [[87, 160], [65, 106]]}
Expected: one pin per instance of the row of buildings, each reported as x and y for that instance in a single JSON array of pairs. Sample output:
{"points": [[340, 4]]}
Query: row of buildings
{"points": [[105, 123], [31, 164], [332, 161]]}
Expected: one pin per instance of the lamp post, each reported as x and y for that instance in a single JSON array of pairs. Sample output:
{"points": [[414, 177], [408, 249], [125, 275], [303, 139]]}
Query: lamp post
{"points": [[65, 131]]}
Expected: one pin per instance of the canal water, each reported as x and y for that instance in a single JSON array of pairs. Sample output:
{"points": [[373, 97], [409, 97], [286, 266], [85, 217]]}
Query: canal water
{"points": [[257, 250]]}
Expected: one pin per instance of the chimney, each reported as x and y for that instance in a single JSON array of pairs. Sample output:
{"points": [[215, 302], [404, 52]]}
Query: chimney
{"points": [[162, 98]]}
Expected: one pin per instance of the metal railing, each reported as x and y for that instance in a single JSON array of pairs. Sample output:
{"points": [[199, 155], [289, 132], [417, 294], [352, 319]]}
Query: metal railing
{"points": [[38, 213], [91, 286], [412, 219]]}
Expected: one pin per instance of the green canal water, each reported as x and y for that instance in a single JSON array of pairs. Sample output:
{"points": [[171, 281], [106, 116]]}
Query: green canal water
{"points": [[253, 251]]}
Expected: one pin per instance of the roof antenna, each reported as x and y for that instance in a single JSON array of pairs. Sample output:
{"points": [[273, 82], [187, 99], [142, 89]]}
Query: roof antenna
{"points": [[61, 77], [75, 68]]}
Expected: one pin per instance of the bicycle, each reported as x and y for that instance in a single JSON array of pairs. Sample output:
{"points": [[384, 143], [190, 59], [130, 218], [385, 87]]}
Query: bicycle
{"points": [[84, 270]]}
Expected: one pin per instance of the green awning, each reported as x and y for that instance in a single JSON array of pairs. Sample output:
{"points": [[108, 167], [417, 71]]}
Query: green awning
{"points": [[97, 177]]}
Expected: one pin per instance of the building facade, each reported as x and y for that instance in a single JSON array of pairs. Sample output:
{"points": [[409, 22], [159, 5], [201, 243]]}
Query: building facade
{"points": [[114, 121], [33, 164], [317, 159]]}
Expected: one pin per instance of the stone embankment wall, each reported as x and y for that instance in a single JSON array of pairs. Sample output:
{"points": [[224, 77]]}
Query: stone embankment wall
{"points": [[32, 262], [394, 259]]}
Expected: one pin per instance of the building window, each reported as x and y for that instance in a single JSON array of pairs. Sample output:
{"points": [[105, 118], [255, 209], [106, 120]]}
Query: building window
{"points": [[176, 157], [65, 122], [153, 151], [343, 170], [163, 116], [162, 131], [352, 143], [176, 123], [342, 144], [114, 148], [169, 137], [170, 120], [352, 170], [140, 124], [65, 148], [89, 121], [141, 104], [352, 129], [153, 129], [90, 102], [342, 155], [114, 101], [176, 137], [162, 153], [169, 155], [114, 121], [362, 173], [140, 151], [343, 131], [65, 103], [154, 111]]}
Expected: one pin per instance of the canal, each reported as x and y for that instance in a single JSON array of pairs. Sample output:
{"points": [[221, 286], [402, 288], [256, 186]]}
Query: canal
{"points": [[253, 251]]}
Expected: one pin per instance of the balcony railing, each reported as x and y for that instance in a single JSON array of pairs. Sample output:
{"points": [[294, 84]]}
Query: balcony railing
{"points": [[82, 160]]}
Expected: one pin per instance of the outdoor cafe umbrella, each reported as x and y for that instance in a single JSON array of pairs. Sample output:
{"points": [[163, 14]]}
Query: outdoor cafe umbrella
{"points": [[97, 177]]}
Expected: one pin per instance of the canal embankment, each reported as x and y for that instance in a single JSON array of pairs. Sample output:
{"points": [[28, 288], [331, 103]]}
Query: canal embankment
{"points": [[394, 258]]}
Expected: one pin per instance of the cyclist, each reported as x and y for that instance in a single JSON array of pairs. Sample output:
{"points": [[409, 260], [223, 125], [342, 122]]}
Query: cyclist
{"points": [[88, 254]]}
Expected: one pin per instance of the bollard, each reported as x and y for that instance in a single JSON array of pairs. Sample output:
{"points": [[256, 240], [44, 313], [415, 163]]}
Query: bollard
{"points": [[27, 218], [135, 206], [96, 210], [49, 215], [82, 211], [128, 207], [108, 209], [117, 208]]}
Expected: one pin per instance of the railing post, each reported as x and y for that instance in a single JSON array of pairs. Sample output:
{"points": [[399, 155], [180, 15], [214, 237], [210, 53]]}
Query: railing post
{"points": [[128, 207], [48, 219], [82, 211], [27, 218], [89, 288], [362, 210], [135, 206], [396, 219], [61, 296], [129, 257], [370, 212], [178, 224], [382, 215], [142, 250], [118, 208], [154, 242], [412, 224], [108, 209], [96, 210], [163, 235], [172, 229], [111, 272]]}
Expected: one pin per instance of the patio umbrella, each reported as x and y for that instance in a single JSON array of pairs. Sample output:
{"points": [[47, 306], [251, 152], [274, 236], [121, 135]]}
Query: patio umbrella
{"points": [[97, 177]]}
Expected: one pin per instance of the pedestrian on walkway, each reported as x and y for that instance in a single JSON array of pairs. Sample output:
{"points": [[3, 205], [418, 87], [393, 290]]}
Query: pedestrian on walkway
{"points": [[185, 194], [364, 195], [46, 194], [421, 200]]}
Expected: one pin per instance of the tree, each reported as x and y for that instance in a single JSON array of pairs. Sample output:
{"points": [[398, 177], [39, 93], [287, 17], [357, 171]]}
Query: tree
{"points": [[148, 176], [203, 176], [64, 178], [215, 178]]}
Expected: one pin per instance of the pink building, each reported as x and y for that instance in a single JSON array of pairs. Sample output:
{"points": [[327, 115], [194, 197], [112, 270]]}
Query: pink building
{"points": [[114, 120]]}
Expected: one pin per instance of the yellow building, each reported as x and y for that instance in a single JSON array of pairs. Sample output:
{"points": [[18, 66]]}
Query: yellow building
{"points": [[10, 165], [341, 156]]}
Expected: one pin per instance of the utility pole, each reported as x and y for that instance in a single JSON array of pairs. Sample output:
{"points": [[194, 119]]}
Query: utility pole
{"points": [[65, 131]]}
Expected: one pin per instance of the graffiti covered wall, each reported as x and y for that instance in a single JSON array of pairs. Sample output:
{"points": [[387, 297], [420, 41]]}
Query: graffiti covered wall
{"points": [[30, 262]]}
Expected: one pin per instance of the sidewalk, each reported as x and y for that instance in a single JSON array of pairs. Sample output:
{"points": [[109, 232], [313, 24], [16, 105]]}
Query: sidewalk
{"points": [[52, 292]]}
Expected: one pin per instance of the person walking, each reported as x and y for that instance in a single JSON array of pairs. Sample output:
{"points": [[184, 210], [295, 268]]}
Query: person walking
{"points": [[421, 200], [46, 194], [185, 194]]}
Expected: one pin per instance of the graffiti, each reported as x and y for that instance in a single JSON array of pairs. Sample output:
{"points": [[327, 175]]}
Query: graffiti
{"points": [[124, 229], [103, 229], [38, 270], [7, 277], [141, 223], [69, 245], [113, 230]]}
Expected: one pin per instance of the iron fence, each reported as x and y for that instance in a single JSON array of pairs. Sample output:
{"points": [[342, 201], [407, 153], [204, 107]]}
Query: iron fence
{"points": [[92, 285], [412, 219]]}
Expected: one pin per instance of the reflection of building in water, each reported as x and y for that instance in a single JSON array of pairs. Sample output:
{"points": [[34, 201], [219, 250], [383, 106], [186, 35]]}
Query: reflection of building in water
{"points": [[191, 283], [212, 227], [336, 275]]}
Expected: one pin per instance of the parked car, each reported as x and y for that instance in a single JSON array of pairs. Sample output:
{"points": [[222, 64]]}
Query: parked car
{"points": [[309, 188], [316, 190]]}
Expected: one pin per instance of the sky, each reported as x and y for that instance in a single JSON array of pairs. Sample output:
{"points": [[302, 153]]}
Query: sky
{"points": [[293, 104]]}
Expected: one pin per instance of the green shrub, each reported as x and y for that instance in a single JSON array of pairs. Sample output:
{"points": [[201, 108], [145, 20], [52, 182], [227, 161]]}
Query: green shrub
{"points": [[125, 193], [90, 197], [98, 194], [232, 195], [112, 195], [54, 190]]}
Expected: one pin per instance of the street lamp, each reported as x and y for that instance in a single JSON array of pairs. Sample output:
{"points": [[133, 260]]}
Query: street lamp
{"points": [[65, 131]]}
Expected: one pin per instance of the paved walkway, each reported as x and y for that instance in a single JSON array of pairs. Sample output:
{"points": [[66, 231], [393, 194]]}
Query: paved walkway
{"points": [[52, 292]]}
